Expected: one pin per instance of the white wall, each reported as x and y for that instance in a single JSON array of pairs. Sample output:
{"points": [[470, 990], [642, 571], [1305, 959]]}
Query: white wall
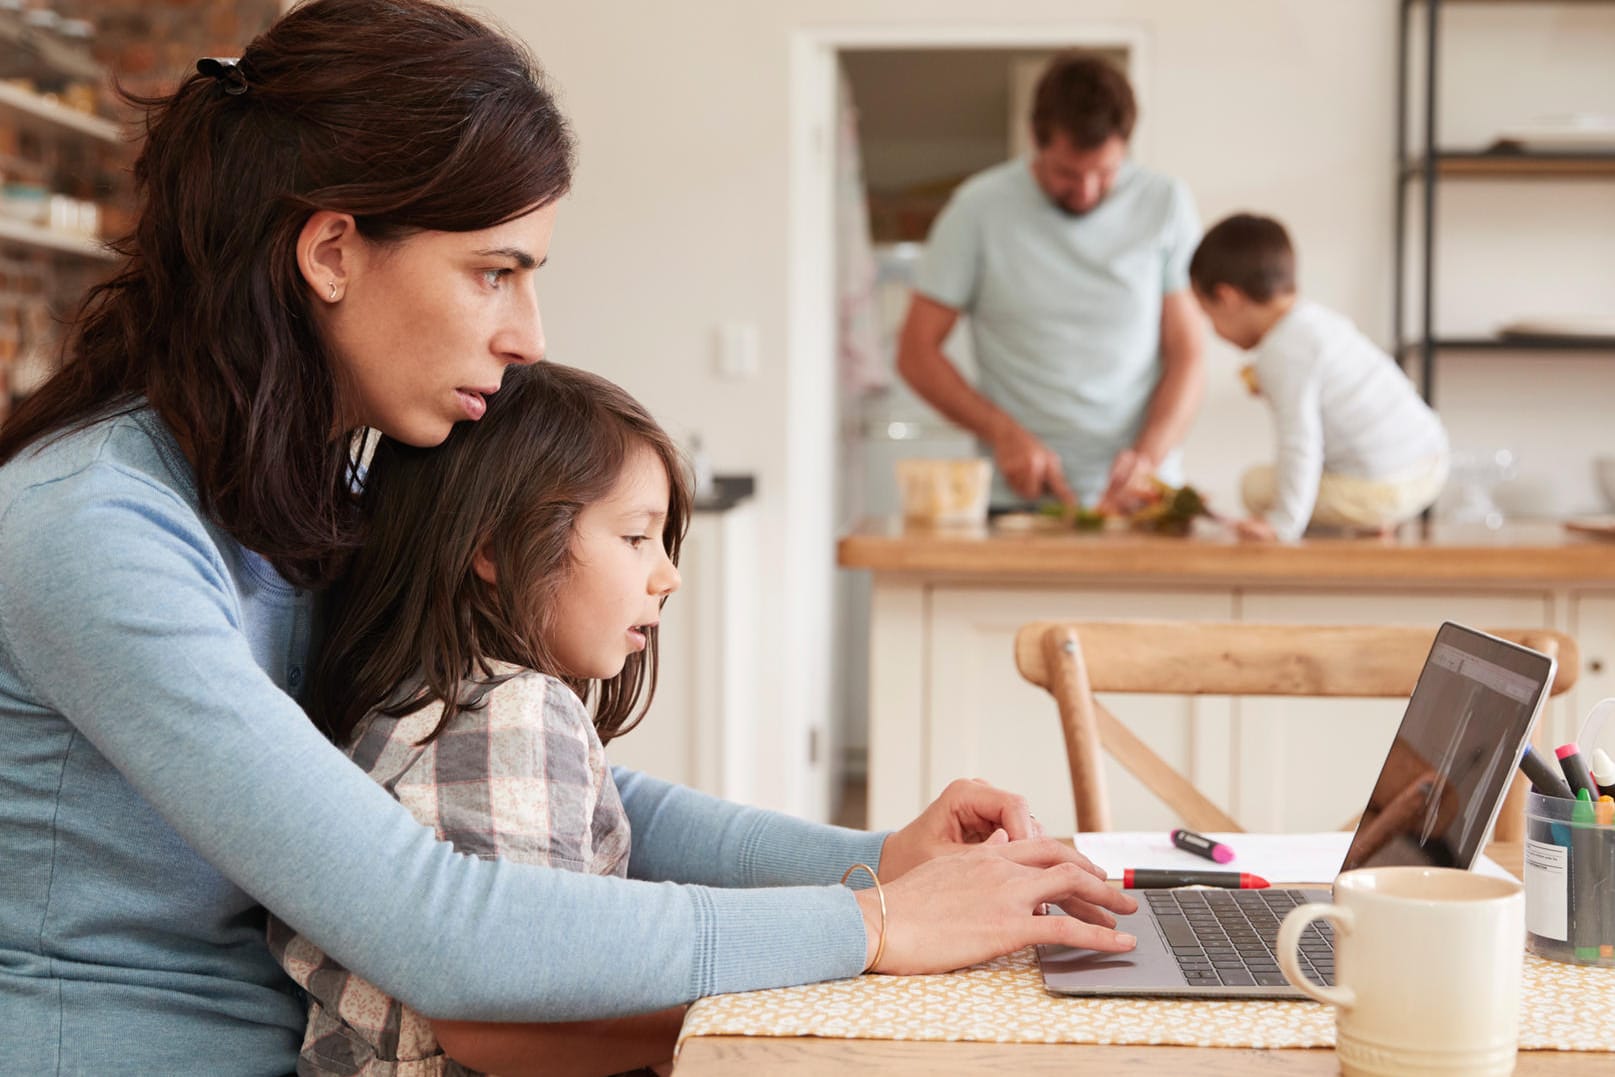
{"points": [[680, 220]]}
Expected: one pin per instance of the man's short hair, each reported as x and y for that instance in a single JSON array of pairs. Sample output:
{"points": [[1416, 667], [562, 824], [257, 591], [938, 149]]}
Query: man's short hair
{"points": [[1251, 254], [1084, 96]]}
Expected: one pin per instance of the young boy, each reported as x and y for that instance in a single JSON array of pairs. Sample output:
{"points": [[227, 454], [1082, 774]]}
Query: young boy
{"points": [[1357, 447]]}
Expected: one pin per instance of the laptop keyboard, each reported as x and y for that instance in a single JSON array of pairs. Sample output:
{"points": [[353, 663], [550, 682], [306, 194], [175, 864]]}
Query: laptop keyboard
{"points": [[1226, 937]]}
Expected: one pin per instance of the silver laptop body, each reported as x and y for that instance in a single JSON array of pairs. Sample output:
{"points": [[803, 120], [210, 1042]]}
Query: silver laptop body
{"points": [[1467, 721]]}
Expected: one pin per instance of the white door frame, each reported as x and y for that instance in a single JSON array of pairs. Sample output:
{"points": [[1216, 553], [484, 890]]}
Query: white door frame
{"points": [[810, 450]]}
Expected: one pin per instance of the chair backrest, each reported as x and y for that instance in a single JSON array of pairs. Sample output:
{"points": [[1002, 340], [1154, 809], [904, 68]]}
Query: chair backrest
{"points": [[1075, 659]]}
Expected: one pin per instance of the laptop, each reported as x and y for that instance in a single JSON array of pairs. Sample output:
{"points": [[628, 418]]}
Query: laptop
{"points": [[1434, 803]]}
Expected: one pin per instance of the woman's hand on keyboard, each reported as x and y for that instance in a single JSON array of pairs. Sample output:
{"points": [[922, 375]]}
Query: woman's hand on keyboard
{"points": [[987, 900]]}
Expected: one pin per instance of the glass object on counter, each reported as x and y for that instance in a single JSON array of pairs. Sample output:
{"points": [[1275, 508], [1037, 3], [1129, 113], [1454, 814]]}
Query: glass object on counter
{"points": [[1475, 476], [944, 491]]}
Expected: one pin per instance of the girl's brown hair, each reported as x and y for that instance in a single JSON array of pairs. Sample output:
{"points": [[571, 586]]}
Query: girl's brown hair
{"points": [[411, 623], [408, 114]]}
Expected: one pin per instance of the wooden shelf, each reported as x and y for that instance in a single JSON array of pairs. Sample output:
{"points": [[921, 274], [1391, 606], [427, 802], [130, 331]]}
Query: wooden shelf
{"points": [[45, 57], [30, 105], [32, 235], [1516, 344], [1515, 3], [1521, 165]]}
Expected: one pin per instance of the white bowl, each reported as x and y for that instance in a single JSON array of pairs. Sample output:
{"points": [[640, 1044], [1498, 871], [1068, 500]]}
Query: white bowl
{"points": [[1604, 470]]}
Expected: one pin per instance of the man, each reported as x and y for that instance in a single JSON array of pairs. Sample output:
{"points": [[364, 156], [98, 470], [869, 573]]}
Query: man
{"points": [[1073, 267]]}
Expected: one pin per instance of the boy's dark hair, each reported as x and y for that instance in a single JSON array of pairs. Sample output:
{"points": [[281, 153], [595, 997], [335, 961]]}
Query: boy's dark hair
{"points": [[1248, 253], [410, 115], [1084, 96], [410, 622]]}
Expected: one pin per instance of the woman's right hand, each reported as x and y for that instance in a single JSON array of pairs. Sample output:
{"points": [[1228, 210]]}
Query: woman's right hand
{"points": [[986, 901]]}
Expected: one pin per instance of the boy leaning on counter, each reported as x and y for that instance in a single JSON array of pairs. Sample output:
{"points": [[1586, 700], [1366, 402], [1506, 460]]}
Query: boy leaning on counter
{"points": [[1356, 446]]}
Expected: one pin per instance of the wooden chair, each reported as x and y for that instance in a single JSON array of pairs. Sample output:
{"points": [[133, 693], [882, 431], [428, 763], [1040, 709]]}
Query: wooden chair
{"points": [[1073, 660]]}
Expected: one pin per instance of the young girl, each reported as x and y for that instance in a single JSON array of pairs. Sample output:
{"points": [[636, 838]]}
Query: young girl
{"points": [[509, 576]]}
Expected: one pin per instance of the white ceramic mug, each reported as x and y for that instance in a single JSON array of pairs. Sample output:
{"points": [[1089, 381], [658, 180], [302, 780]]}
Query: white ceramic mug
{"points": [[1427, 970]]}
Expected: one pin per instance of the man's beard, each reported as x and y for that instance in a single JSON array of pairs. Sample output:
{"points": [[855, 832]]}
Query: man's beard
{"points": [[1071, 211]]}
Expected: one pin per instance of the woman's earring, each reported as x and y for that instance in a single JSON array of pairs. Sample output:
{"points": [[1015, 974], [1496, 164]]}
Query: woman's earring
{"points": [[333, 291]]}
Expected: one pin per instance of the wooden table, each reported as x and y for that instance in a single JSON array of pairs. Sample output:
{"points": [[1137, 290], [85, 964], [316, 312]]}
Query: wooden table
{"points": [[747, 1056]]}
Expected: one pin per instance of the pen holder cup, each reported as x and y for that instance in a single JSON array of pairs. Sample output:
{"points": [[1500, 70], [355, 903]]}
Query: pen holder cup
{"points": [[1570, 880]]}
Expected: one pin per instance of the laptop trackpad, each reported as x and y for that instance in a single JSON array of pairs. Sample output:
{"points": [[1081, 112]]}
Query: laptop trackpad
{"points": [[1224, 969], [1148, 967]]}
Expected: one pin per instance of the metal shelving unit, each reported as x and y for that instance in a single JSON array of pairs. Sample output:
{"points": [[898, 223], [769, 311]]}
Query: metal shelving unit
{"points": [[50, 246], [1431, 165]]}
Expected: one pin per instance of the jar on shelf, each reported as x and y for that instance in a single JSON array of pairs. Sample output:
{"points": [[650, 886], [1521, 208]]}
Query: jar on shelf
{"points": [[79, 94], [26, 202]]}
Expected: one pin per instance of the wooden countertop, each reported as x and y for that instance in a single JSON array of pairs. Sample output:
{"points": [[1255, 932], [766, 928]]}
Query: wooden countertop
{"points": [[1544, 554]]}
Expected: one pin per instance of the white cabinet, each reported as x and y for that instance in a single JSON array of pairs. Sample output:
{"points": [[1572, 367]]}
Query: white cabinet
{"points": [[1307, 764], [987, 722], [699, 730], [1592, 623], [947, 702]]}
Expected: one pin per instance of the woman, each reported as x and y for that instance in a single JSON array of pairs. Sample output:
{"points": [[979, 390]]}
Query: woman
{"points": [[341, 232]]}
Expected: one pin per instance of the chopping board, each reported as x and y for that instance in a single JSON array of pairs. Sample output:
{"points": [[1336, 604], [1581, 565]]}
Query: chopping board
{"points": [[1601, 526]]}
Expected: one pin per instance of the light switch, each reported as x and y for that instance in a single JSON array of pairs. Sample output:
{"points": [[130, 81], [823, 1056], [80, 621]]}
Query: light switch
{"points": [[737, 350]]}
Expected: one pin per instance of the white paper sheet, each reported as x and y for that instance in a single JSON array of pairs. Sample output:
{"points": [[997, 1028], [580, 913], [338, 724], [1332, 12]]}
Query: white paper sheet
{"points": [[1278, 858]]}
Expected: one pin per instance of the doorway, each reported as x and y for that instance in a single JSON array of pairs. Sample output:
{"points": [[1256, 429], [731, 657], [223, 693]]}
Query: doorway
{"points": [[933, 106]]}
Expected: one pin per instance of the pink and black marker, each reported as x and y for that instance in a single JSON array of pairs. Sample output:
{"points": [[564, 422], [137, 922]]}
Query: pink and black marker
{"points": [[1200, 845], [1575, 768]]}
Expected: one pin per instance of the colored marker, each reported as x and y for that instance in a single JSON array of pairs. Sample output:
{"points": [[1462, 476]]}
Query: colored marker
{"points": [[1605, 812], [1603, 769], [1200, 845], [1154, 879], [1575, 768], [1544, 778], [1586, 925]]}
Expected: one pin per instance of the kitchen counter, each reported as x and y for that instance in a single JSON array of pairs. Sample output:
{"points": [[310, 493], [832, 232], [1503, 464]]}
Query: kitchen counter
{"points": [[1537, 553], [727, 492], [945, 700]]}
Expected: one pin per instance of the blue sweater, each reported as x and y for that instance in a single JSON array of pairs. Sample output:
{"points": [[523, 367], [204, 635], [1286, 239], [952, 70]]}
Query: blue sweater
{"points": [[159, 786]]}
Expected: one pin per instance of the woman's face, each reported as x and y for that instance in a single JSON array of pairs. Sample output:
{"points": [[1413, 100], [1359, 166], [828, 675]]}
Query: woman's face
{"points": [[422, 329]]}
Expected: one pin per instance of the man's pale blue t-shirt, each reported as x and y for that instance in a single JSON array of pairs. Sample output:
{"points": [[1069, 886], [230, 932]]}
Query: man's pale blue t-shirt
{"points": [[1065, 311]]}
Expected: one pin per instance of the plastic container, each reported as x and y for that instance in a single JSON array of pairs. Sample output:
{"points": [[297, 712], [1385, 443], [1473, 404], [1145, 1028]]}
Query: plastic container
{"points": [[945, 492], [1570, 880], [29, 202]]}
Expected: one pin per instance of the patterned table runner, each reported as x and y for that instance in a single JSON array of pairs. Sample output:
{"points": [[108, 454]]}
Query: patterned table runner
{"points": [[1003, 1001]]}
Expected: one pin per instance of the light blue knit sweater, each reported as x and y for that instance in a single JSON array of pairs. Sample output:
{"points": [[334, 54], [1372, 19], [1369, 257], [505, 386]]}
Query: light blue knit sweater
{"points": [[159, 787]]}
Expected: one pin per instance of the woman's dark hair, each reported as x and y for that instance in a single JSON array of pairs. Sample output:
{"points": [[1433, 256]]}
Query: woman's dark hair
{"points": [[408, 114], [411, 622], [1251, 254], [1084, 96]]}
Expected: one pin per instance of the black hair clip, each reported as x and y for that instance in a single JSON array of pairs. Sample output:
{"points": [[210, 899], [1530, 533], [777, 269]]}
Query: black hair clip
{"points": [[227, 72]]}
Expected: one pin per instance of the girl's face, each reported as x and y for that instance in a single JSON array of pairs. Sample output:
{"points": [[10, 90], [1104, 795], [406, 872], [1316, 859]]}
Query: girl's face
{"points": [[620, 573], [423, 329]]}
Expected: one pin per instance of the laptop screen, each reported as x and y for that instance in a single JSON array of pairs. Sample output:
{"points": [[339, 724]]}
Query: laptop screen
{"points": [[1454, 754]]}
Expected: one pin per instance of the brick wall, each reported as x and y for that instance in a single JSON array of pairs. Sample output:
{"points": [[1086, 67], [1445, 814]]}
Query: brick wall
{"points": [[148, 44]]}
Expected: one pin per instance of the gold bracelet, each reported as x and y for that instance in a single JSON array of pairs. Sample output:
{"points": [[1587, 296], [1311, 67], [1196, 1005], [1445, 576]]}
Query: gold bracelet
{"points": [[880, 945]]}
